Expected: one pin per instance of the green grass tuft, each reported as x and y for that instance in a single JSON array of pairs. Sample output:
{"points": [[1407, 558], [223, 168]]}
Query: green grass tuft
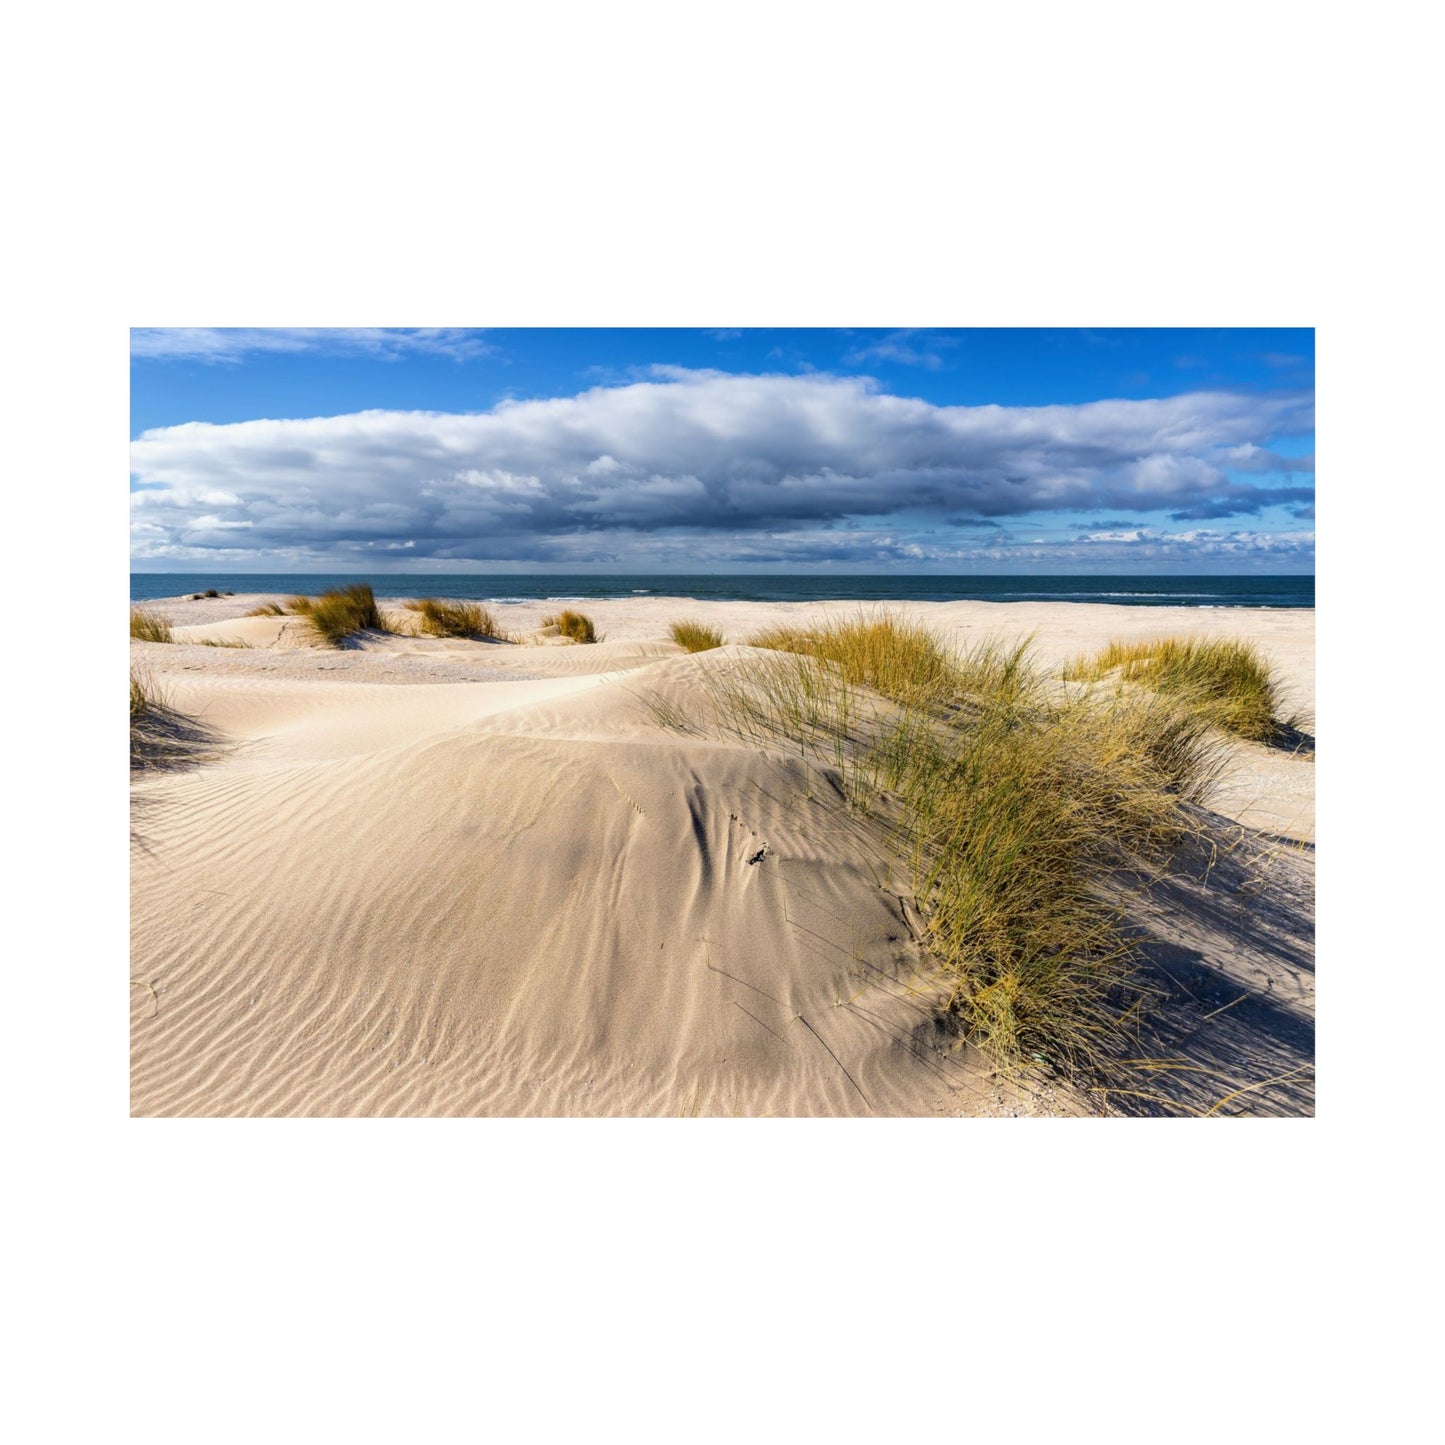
{"points": [[161, 737], [1019, 806], [341, 612], [576, 625], [148, 626], [1225, 681], [142, 696], [455, 619], [696, 636], [900, 659]]}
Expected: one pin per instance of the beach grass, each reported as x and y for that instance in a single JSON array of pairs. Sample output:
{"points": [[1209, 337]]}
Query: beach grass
{"points": [[438, 618], [146, 626], [268, 609], [340, 612], [695, 636], [143, 696], [1019, 804], [162, 738], [902, 660], [1224, 680], [150, 734], [576, 625]]}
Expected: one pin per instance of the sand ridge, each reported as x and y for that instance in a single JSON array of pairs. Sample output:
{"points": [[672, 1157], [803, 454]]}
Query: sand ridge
{"points": [[522, 895]]}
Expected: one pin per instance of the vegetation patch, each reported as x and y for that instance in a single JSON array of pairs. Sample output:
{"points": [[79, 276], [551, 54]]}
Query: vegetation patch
{"points": [[1020, 806], [146, 626], [341, 612], [438, 618], [160, 737], [695, 636], [576, 625], [268, 609], [901, 660], [1224, 681]]}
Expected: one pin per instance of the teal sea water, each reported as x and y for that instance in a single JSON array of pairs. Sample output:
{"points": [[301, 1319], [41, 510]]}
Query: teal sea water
{"points": [[499, 590]]}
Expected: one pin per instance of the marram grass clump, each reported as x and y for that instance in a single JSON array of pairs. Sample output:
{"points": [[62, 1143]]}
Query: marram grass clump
{"points": [[1018, 819], [340, 612], [160, 737], [1019, 807], [1225, 681], [695, 636], [438, 618], [576, 625], [902, 660], [148, 626]]}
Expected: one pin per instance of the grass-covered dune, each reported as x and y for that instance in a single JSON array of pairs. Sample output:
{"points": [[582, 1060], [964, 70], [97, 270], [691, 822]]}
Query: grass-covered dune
{"points": [[893, 862], [573, 625], [1020, 806], [1225, 681], [148, 626], [694, 636], [438, 618], [341, 612]]}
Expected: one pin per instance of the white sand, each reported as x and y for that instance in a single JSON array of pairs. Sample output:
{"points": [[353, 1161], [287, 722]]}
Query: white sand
{"points": [[399, 890]]}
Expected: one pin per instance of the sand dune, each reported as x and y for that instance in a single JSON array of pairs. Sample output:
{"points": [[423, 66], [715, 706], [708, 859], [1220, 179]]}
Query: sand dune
{"points": [[522, 895]]}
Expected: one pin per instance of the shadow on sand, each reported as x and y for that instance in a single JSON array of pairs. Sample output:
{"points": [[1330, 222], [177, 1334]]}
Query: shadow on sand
{"points": [[1227, 957]]}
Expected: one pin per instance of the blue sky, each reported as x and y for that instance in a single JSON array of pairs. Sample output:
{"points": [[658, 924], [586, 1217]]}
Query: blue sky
{"points": [[685, 450]]}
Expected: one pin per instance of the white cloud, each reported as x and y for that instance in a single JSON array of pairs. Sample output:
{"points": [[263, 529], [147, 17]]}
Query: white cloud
{"points": [[1249, 458], [717, 456], [900, 347], [233, 343]]}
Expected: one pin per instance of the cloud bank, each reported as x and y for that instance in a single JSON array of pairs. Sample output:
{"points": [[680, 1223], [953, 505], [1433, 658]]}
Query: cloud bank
{"points": [[705, 466]]}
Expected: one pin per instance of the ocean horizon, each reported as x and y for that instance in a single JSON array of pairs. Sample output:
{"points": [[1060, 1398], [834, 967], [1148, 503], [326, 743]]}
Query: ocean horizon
{"points": [[501, 589]]}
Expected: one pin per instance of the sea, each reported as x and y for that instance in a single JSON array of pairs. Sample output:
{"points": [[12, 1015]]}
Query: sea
{"points": [[499, 590]]}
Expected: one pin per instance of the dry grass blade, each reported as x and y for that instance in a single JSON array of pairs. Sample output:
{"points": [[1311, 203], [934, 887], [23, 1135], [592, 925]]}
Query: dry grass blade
{"points": [[146, 626], [899, 659], [341, 612], [695, 636], [160, 737], [1019, 805], [576, 625], [438, 618], [1226, 681]]}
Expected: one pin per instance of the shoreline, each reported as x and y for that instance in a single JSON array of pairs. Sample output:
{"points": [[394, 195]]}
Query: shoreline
{"points": [[1061, 628]]}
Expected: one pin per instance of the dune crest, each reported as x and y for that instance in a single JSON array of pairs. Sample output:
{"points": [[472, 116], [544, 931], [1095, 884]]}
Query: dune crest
{"points": [[524, 896], [502, 913]]}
